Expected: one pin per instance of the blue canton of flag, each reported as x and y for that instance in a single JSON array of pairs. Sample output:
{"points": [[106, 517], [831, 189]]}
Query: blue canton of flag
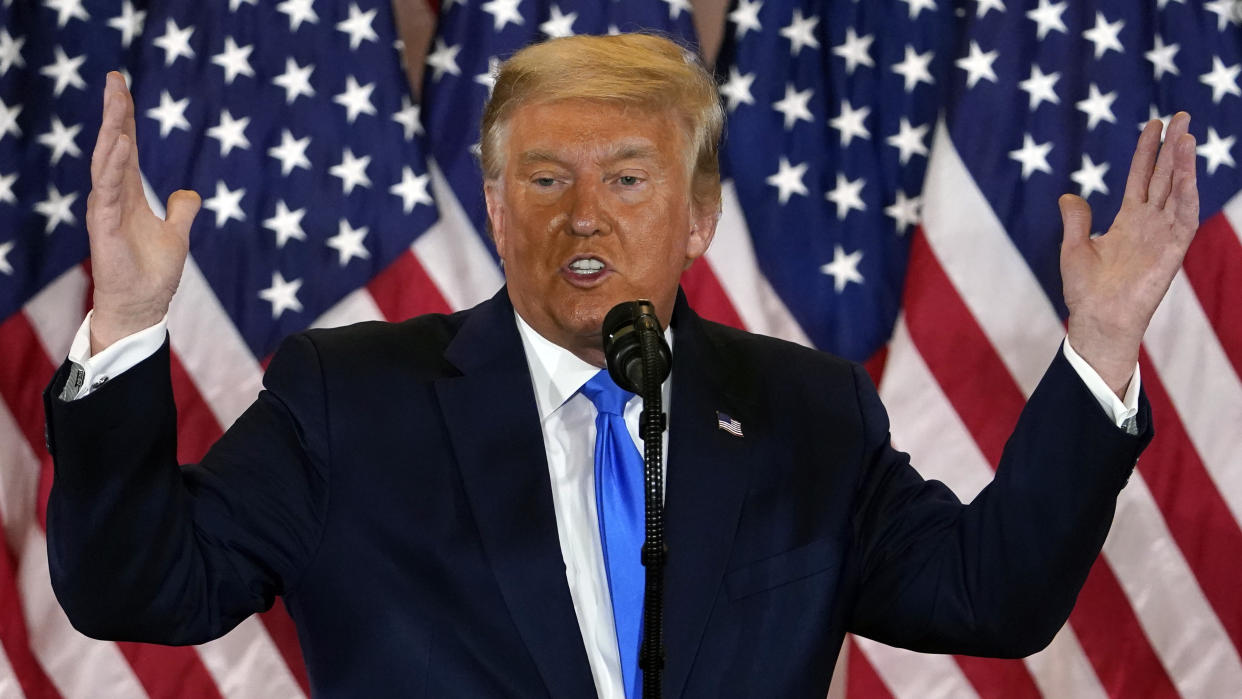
{"points": [[292, 120], [831, 107], [471, 41]]}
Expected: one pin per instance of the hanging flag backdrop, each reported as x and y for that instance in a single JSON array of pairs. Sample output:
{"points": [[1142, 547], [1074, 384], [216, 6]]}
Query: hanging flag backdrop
{"points": [[891, 175]]}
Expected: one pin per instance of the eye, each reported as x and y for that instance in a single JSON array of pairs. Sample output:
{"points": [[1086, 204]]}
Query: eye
{"points": [[545, 181], [628, 180]]}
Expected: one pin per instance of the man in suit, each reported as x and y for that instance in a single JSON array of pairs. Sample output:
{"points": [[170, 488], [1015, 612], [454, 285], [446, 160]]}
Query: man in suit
{"points": [[422, 494]]}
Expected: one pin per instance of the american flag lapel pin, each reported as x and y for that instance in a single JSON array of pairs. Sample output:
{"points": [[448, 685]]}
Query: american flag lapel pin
{"points": [[728, 424]]}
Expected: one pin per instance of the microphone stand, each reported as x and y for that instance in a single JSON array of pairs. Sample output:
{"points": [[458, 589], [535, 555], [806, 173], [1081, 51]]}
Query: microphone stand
{"points": [[652, 423]]}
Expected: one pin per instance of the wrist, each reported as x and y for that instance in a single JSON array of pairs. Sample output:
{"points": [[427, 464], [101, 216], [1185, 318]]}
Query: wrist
{"points": [[109, 325], [1111, 352]]}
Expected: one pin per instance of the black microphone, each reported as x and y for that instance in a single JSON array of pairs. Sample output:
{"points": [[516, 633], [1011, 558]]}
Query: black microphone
{"points": [[625, 327]]}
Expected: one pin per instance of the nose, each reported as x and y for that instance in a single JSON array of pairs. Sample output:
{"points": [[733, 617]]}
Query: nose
{"points": [[588, 213]]}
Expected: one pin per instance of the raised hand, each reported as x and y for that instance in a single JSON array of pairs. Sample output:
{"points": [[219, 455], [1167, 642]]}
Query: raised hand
{"points": [[1114, 283], [136, 257]]}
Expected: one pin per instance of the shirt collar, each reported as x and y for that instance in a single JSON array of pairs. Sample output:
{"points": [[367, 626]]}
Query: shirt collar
{"points": [[556, 373]]}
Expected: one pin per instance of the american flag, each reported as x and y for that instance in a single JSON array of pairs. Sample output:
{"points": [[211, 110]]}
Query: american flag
{"points": [[891, 175]]}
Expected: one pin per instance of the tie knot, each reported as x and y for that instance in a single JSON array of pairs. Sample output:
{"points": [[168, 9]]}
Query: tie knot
{"points": [[607, 396]]}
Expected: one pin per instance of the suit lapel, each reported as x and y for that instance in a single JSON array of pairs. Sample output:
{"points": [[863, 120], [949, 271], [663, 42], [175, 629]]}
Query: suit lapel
{"points": [[494, 426], [708, 472]]}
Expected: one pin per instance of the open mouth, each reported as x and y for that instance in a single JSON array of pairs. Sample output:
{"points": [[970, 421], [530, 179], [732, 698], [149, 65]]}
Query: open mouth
{"points": [[585, 270]]}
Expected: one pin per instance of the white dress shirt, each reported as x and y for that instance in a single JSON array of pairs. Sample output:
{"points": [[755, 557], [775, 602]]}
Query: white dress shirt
{"points": [[568, 421]]}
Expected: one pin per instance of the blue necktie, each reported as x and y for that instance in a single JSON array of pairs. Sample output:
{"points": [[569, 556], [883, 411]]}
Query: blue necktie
{"points": [[621, 510]]}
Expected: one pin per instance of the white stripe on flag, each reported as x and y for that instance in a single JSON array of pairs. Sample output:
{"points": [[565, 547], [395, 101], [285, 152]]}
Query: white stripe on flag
{"points": [[10, 688], [1184, 631], [1233, 212], [57, 310], [1151, 589], [451, 252], [925, 422], [910, 675], [1202, 385], [989, 273], [732, 258], [356, 307], [247, 665]]}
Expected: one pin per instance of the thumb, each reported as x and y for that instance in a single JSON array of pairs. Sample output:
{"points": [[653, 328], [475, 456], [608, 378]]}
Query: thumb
{"points": [[1075, 220], [183, 205]]}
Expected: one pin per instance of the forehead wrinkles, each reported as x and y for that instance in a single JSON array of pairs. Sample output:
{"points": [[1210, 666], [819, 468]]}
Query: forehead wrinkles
{"points": [[603, 154]]}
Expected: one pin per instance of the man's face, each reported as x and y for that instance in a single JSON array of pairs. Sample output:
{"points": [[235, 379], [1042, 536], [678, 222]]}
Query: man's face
{"points": [[593, 208]]}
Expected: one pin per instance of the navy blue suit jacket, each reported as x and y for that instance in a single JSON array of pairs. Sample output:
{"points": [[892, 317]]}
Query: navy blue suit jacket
{"points": [[391, 484]]}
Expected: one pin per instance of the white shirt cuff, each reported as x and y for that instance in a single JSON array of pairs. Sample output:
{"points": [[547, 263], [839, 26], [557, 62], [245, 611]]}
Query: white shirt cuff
{"points": [[1123, 411], [88, 373]]}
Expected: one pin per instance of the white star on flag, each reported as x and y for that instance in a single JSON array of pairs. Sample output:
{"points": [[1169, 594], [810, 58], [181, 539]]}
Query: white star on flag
{"points": [[1104, 35], [843, 268], [348, 243], [286, 224], [794, 106], [788, 180], [1216, 150], [230, 132], [745, 17], [61, 140], [234, 59], [356, 99], [175, 42], [291, 152], [801, 32], [736, 90], [298, 11], [283, 295], [1098, 107], [56, 208], [351, 170], [412, 189], [978, 65], [170, 114], [847, 195], [850, 122], [914, 68], [358, 26], [129, 23], [559, 24], [1033, 156], [856, 50], [64, 71], [1090, 177], [1040, 87], [295, 80], [226, 204]]}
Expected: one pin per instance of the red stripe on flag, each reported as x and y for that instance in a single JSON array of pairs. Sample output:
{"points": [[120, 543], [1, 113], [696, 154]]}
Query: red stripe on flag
{"points": [[171, 672], [707, 297], [861, 679], [986, 397], [13, 635], [197, 428], [24, 372], [1196, 514], [284, 634], [1214, 267], [1113, 640], [404, 290]]}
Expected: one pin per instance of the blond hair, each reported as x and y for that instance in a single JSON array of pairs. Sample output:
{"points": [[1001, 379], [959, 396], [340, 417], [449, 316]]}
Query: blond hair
{"points": [[643, 70]]}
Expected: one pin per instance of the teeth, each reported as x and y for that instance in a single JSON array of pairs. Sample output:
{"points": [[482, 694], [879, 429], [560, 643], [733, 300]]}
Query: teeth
{"points": [[587, 266]]}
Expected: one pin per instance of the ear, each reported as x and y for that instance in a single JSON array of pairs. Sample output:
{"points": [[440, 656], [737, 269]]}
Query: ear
{"points": [[494, 198], [702, 230]]}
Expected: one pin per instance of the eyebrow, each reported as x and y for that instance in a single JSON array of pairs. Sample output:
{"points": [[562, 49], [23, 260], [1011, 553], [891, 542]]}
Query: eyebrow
{"points": [[626, 151]]}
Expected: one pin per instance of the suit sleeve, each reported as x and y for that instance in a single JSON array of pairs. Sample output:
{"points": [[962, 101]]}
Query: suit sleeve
{"points": [[997, 577], [141, 549]]}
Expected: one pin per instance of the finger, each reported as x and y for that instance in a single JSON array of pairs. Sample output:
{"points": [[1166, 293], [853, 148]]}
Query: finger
{"points": [[1075, 221], [126, 100], [183, 205], [1162, 176], [1143, 161], [109, 127], [103, 206], [1184, 199]]}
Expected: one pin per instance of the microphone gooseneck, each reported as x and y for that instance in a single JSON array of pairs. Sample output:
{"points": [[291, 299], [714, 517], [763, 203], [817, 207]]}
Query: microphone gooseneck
{"points": [[639, 361]]}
